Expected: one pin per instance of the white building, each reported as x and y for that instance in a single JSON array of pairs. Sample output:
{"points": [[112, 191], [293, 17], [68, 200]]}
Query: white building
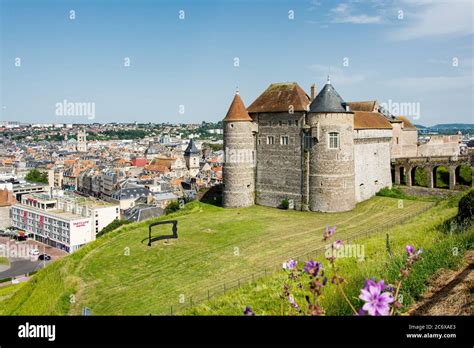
{"points": [[64, 221]]}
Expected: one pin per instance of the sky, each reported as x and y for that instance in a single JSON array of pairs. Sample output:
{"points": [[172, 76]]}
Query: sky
{"points": [[182, 61]]}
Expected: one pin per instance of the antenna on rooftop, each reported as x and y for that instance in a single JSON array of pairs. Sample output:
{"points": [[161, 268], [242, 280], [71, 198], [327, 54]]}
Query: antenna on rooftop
{"points": [[237, 90]]}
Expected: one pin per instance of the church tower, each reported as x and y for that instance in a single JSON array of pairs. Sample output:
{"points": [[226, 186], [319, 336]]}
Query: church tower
{"points": [[191, 156], [81, 141], [239, 157], [331, 167]]}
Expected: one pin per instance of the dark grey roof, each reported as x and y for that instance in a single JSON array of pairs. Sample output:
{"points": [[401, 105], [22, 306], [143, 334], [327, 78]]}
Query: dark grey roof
{"points": [[143, 212], [191, 149], [127, 193], [328, 100]]}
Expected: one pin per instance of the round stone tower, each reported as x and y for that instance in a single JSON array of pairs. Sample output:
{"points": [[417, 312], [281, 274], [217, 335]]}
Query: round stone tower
{"points": [[239, 157], [331, 172]]}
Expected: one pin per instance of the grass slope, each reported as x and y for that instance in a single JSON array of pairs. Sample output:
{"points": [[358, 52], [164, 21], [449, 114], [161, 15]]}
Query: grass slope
{"points": [[4, 261], [118, 274], [441, 250]]}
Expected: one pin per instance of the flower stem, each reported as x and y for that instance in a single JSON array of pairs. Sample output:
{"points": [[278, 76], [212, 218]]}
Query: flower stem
{"points": [[399, 285], [347, 299]]}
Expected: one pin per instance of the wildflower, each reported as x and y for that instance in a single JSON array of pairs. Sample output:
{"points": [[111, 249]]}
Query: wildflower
{"points": [[292, 301], [290, 265], [312, 268], [248, 311], [377, 300], [337, 244], [410, 249], [329, 232], [381, 285]]}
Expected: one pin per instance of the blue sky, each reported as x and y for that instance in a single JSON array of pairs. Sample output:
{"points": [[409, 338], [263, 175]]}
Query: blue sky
{"points": [[402, 57]]}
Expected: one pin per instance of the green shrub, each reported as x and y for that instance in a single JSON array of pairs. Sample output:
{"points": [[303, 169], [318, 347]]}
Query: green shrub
{"points": [[466, 208], [285, 204], [392, 193], [112, 226], [172, 207]]}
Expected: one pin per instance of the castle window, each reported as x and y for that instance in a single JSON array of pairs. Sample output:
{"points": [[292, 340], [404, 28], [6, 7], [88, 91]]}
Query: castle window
{"points": [[334, 140], [296, 123], [270, 140], [284, 140], [308, 141], [280, 123]]}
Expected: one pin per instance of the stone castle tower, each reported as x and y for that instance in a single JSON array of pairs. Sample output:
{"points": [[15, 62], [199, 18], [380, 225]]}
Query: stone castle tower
{"points": [[191, 156], [239, 161], [331, 154], [81, 141]]}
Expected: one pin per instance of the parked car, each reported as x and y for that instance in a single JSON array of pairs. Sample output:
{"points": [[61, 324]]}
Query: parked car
{"points": [[44, 257], [34, 252]]}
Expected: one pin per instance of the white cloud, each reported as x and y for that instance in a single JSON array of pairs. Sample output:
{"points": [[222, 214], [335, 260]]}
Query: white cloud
{"points": [[344, 13], [434, 18]]}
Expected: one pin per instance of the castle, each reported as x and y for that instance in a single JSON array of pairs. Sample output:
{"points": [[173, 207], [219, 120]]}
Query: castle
{"points": [[318, 152]]}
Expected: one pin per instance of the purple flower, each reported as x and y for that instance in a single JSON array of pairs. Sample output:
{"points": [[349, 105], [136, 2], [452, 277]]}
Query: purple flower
{"points": [[338, 244], [290, 265], [248, 311], [312, 268], [377, 302], [329, 232], [371, 282], [292, 301], [409, 249]]}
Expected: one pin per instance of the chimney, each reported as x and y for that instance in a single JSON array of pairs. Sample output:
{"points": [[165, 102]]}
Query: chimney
{"points": [[313, 91]]}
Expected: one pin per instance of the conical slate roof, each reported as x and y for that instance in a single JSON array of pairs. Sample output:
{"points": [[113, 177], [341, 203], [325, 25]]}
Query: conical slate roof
{"points": [[328, 100], [237, 110], [191, 149]]}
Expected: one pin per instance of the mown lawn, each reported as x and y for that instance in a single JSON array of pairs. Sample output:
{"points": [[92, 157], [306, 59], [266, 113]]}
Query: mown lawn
{"points": [[118, 274], [4, 261], [441, 250]]}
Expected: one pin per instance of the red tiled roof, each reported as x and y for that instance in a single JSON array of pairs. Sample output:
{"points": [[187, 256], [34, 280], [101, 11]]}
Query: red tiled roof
{"points": [[237, 111], [279, 97], [370, 120], [406, 123], [363, 105]]}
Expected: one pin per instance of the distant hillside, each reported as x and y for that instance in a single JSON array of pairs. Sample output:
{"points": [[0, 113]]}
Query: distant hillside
{"points": [[448, 126], [454, 126]]}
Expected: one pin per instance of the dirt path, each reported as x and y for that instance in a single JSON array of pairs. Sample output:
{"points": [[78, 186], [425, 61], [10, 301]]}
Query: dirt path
{"points": [[450, 292]]}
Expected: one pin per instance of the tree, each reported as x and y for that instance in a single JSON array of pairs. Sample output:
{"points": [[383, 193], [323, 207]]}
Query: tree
{"points": [[35, 175]]}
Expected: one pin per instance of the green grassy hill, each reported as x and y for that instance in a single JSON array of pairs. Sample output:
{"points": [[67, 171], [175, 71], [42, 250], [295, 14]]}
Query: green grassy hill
{"points": [[118, 274], [427, 231]]}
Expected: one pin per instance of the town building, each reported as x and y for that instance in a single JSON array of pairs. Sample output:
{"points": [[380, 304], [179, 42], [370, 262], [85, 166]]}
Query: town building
{"points": [[62, 220]]}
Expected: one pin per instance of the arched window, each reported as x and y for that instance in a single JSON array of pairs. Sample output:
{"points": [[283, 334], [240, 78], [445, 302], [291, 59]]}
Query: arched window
{"points": [[334, 140]]}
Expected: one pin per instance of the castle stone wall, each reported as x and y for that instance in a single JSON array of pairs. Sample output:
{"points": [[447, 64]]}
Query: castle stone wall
{"points": [[279, 169], [332, 170], [372, 161]]}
